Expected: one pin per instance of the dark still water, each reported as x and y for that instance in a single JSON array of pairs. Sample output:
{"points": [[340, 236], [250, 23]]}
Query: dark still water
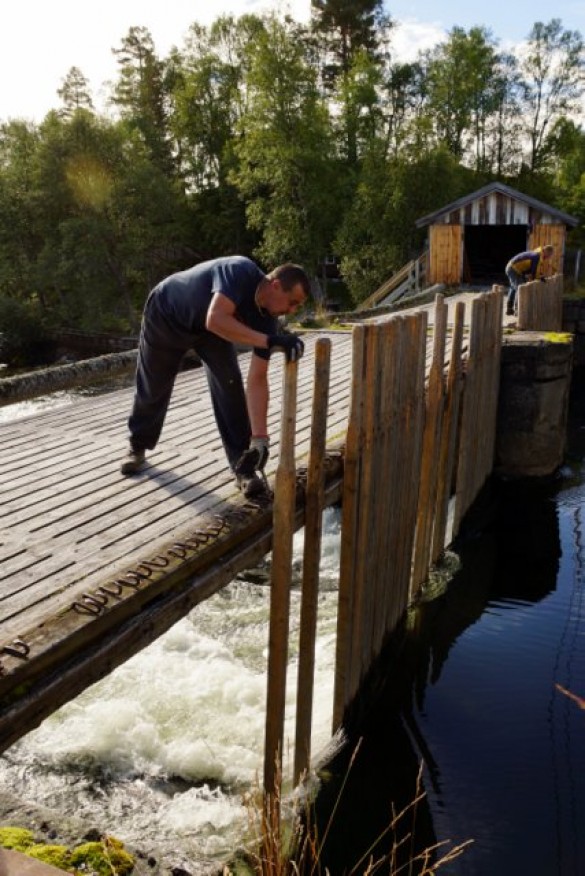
{"points": [[469, 689]]}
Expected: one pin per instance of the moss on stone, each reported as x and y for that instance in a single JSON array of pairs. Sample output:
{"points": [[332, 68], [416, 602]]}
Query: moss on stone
{"points": [[558, 337], [56, 856], [104, 858], [19, 839]]}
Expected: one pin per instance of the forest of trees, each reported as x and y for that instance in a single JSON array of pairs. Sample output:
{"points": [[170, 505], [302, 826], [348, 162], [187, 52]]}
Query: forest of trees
{"points": [[277, 140]]}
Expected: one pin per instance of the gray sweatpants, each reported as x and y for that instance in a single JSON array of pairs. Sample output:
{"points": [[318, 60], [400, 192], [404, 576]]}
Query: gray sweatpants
{"points": [[160, 352]]}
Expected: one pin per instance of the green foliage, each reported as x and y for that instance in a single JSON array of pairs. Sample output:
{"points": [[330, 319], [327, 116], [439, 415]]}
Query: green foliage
{"points": [[379, 235], [24, 339], [264, 137], [553, 83], [286, 169], [461, 87]]}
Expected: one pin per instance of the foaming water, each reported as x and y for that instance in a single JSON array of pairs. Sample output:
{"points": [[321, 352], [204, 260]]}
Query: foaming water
{"points": [[60, 399], [19, 410], [163, 749]]}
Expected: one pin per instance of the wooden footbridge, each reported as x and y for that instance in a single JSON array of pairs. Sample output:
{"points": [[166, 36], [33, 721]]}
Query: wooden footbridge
{"points": [[395, 418]]}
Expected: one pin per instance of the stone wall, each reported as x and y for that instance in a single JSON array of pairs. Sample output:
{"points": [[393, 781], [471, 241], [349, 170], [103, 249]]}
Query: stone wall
{"points": [[533, 403], [69, 376], [574, 322]]}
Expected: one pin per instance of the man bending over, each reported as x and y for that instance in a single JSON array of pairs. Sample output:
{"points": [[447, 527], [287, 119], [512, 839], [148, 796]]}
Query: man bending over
{"points": [[209, 308]]}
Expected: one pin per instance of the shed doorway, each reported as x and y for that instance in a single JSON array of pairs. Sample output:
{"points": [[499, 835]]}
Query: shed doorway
{"points": [[487, 249]]}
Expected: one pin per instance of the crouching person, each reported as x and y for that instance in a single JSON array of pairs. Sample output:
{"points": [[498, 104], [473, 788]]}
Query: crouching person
{"points": [[209, 308]]}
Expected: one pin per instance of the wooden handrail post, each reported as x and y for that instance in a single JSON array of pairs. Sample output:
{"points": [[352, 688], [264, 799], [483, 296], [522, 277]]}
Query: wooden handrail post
{"points": [[311, 558], [282, 544]]}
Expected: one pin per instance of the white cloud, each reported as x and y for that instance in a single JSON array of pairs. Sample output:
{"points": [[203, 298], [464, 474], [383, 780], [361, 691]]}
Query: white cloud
{"points": [[410, 36], [40, 41]]}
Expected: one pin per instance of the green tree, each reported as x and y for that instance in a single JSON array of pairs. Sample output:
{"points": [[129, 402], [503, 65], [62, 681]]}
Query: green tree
{"points": [[108, 217], [346, 27], [378, 235], [287, 167], [567, 144], [552, 82], [401, 103], [20, 232], [209, 99], [141, 94], [351, 42], [75, 92], [461, 88], [504, 126]]}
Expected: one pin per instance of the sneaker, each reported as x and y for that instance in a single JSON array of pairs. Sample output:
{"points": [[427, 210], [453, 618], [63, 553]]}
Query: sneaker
{"points": [[133, 462], [251, 485]]}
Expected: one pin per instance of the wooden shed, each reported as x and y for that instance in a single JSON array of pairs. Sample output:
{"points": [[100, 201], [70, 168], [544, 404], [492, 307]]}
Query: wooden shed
{"points": [[472, 239]]}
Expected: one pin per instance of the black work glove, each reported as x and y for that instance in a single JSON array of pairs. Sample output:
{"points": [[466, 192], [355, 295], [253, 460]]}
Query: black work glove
{"points": [[256, 456], [291, 345], [260, 447]]}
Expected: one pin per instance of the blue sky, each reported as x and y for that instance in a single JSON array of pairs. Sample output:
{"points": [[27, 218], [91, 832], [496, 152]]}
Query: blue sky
{"points": [[40, 40]]}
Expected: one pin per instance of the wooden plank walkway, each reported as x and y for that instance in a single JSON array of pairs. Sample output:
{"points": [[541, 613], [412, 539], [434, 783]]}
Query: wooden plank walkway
{"points": [[93, 566], [70, 521]]}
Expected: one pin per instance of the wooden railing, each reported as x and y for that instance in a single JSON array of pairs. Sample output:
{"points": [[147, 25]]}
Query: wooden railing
{"points": [[419, 446], [407, 281], [540, 305]]}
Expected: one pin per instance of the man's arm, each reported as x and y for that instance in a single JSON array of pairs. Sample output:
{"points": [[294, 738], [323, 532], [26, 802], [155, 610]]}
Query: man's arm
{"points": [[258, 394], [533, 270], [221, 320]]}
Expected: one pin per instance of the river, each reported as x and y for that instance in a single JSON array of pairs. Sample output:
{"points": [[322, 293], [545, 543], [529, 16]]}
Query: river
{"points": [[485, 687], [162, 752]]}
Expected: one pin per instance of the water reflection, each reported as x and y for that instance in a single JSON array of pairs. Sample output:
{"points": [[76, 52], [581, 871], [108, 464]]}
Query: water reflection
{"points": [[470, 688]]}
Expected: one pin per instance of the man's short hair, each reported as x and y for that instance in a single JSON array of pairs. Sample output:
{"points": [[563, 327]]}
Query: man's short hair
{"points": [[290, 275]]}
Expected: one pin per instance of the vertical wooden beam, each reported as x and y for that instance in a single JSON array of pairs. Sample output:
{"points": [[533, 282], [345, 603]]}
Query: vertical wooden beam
{"points": [[466, 455], [380, 547], [411, 453], [311, 558], [495, 359], [349, 524], [431, 449], [450, 433], [390, 475], [283, 531], [367, 493]]}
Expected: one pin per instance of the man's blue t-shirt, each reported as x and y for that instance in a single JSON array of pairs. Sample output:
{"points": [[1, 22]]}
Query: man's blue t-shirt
{"points": [[184, 298]]}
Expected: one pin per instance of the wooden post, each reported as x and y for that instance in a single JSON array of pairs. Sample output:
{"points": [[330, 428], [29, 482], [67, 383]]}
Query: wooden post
{"points": [[412, 449], [311, 558], [367, 488], [466, 460], [349, 524], [431, 449], [449, 436], [283, 531]]}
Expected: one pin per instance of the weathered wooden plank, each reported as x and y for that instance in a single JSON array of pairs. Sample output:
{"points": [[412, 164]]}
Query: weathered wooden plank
{"points": [[311, 559]]}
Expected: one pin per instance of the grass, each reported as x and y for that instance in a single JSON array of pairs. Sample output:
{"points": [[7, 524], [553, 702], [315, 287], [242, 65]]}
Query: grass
{"points": [[284, 839]]}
